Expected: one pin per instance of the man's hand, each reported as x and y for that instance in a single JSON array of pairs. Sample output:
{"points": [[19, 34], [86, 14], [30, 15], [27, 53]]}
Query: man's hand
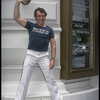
{"points": [[52, 63], [19, 0]]}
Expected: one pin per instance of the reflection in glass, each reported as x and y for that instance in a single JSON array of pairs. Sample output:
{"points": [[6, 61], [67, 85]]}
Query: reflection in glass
{"points": [[82, 34]]}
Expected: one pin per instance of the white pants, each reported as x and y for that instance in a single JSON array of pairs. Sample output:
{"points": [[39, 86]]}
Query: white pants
{"points": [[40, 58]]}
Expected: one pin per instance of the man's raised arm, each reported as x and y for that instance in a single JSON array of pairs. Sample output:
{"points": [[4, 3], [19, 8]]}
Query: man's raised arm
{"points": [[17, 17]]}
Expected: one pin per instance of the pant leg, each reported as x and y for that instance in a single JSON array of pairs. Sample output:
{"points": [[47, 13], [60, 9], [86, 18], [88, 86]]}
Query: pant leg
{"points": [[29, 63], [49, 77]]}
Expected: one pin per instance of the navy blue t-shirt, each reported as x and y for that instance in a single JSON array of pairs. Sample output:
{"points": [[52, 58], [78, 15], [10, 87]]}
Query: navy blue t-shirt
{"points": [[39, 37]]}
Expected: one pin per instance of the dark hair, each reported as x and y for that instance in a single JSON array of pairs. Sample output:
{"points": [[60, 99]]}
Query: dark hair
{"points": [[41, 10]]}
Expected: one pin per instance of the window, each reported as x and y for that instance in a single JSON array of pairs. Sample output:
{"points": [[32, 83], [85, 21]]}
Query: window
{"points": [[79, 38]]}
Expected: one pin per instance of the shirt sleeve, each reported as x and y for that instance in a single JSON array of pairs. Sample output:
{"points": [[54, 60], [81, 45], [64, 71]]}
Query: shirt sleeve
{"points": [[28, 25], [51, 33]]}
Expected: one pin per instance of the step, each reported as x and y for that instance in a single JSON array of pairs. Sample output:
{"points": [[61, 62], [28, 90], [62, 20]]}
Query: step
{"points": [[36, 89], [9, 72], [89, 94]]}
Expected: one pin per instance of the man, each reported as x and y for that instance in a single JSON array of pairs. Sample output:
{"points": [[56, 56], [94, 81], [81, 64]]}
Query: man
{"points": [[39, 36]]}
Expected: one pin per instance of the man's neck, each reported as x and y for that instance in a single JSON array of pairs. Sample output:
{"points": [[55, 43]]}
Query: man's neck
{"points": [[42, 25]]}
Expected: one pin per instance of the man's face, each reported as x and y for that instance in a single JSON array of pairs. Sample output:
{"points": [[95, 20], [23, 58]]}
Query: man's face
{"points": [[40, 18]]}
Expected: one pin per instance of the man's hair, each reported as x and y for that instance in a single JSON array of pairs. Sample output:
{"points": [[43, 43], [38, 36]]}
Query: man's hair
{"points": [[41, 10]]}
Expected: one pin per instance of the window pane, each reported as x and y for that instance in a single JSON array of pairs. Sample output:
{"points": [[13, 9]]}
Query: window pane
{"points": [[82, 34]]}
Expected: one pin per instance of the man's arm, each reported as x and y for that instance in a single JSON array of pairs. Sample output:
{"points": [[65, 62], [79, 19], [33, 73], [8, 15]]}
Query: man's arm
{"points": [[53, 52], [17, 17]]}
